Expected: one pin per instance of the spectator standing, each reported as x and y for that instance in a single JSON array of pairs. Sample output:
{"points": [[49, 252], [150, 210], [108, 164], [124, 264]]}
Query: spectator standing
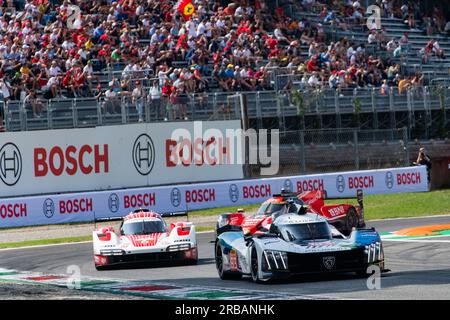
{"points": [[155, 98], [137, 96], [424, 160]]}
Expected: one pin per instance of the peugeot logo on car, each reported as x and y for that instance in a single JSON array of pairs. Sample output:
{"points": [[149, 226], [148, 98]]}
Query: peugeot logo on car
{"points": [[329, 262]]}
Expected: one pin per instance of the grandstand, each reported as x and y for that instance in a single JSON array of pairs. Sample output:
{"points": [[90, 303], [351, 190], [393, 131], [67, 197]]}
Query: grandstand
{"points": [[310, 64]]}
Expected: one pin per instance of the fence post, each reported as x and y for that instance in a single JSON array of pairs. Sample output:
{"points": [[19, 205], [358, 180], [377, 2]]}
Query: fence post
{"points": [[374, 109], [75, 113], [147, 108], [336, 108], [99, 113], [280, 112], [356, 148], [405, 141], [302, 151], [193, 105], [23, 117], [258, 112], [6, 116], [49, 114], [123, 110]]}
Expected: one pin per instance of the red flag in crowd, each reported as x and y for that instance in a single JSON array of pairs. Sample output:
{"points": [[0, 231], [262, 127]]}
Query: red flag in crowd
{"points": [[186, 8]]}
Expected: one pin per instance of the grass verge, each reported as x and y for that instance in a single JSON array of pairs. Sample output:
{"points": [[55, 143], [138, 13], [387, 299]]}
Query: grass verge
{"points": [[43, 242]]}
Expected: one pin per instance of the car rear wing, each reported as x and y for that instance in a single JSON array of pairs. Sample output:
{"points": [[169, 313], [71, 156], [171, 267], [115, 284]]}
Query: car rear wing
{"points": [[359, 197], [105, 219], [175, 214], [120, 218]]}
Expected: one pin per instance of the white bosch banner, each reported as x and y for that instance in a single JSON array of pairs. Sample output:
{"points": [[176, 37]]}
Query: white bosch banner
{"points": [[113, 157], [87, 206]]}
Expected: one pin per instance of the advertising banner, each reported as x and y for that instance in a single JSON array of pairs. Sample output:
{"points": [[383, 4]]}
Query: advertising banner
{"points": [[114, 157]]}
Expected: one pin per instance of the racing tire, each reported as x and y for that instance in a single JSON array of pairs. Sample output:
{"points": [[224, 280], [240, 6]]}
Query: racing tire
{"points": [[351, 221], [100, 268], [224, 275], [254, 266]]}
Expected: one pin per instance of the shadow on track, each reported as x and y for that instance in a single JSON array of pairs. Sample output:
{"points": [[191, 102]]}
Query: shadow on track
{"points": [[155, 264]]}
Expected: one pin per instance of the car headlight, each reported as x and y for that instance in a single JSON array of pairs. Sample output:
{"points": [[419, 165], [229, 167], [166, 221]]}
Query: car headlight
{"points": [[179, 247], [274, 260], [374, 252], [112, 252]]}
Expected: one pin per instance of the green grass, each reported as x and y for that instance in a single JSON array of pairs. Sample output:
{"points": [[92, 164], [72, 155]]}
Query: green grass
{"points": [[44, 242], [384, 206], [204, 228]]}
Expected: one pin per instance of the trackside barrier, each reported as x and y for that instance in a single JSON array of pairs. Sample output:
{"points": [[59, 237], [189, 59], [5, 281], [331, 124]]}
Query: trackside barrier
{"points": [[77, 207]]}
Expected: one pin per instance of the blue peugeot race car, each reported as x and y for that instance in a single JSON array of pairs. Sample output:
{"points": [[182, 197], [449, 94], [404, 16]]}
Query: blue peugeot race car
{"points": [[296, 243]]}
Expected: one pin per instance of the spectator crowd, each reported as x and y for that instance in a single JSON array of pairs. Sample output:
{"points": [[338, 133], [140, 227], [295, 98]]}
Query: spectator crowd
{"points": [[49, 51]]}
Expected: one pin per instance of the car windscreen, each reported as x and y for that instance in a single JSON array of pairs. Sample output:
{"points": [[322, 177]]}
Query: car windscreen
{"points": [[305, 231], [270, 208], [143, 227]]}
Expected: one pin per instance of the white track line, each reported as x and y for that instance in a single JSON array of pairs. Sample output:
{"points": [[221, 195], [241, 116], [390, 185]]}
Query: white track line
{"points": [[65, 244], [410, 218], [45, 245], [415, 240]]}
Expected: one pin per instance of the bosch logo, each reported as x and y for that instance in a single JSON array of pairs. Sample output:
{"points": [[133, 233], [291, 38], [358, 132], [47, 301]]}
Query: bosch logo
{"points": [[10, 164], [389, 180], [48, 208], [340, 183], [113, 202], [287, 185], [143, 154], [234, 192], [175, 197]]}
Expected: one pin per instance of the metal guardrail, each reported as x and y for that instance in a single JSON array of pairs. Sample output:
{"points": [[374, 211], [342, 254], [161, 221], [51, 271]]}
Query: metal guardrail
{"points": [[427, 102]]}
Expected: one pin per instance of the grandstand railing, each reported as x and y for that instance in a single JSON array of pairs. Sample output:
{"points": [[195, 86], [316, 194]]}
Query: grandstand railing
{"points": [[89, 112]]}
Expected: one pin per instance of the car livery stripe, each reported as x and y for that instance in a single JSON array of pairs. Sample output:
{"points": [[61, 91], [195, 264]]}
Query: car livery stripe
{"points": [[144, 240]]}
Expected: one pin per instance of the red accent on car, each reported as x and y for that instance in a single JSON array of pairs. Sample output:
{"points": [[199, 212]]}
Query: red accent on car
{"points": [[100, 260], [236, 219], [104, 236], [183, 230], [315, 199]]}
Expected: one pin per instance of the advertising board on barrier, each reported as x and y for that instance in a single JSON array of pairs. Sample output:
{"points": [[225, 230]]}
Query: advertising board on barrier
{"points": [[112, 157], [76, 207]]}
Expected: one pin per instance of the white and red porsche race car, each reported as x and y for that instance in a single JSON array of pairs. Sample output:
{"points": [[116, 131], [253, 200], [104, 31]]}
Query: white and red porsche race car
{"points": [[143, 236]]}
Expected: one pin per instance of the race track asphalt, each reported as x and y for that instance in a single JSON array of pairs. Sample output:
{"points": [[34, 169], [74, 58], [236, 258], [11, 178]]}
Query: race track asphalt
{"points": [[419, 270]]}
